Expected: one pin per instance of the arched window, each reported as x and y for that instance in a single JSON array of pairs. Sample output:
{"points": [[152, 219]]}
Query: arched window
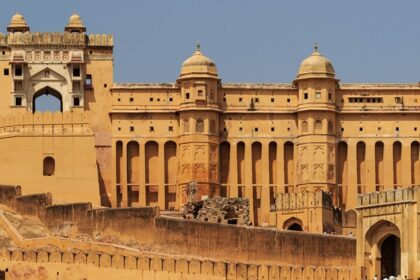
{"points": [[304, 126], [48, 166], [318, 125], [199, 126], [212, 126], [186, 124]]}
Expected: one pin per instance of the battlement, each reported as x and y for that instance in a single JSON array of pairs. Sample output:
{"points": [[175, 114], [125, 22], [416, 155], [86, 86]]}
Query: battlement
{"points": [[45, 123], [292, 201], [56, 39], [389, 196]]}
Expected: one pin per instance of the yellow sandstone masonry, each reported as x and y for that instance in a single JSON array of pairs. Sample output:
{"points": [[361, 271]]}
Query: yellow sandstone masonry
{"points": [[313, 155]]}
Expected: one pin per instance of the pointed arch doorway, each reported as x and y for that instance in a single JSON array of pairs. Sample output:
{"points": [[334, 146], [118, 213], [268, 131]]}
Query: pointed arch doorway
{"points": [[383, 248], [390, 256], [47, 99]]}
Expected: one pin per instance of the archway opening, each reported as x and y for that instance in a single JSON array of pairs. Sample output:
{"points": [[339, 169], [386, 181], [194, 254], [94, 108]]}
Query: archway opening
{"points": [[48, 166], [47, 99], [390, 257], [293, 224], [295, 227]]}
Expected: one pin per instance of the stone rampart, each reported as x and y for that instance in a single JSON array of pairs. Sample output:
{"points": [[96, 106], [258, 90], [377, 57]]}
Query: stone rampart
{"points": [[292, 201], [45, 123], [389, 196], [167, 267], [206, 240], [57, 38], [258, 245]]}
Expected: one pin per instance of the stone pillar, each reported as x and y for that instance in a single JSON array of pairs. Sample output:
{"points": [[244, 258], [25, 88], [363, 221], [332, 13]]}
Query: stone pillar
{"points": [[388, 165], [249, 192], [233, 171], [351, 191], [265, 188], [142, 174], [280, 167], [161, 177], [406, 163], [123, 182], [370, 166], [114, 174]]}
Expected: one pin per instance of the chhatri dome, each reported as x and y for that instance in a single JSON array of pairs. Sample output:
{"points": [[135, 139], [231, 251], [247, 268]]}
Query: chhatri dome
{"points": [[198, 65], [316, 66], [17, 24], [75, 24]]}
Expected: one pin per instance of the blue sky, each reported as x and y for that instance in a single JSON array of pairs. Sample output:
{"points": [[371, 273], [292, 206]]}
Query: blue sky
{"points": [[250, 41]]}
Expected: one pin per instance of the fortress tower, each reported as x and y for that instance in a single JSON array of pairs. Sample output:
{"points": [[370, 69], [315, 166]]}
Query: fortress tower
{"points": [[199, 120], [316, 111]]}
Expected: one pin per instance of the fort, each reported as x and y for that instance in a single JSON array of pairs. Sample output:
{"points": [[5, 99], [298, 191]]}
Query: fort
{"points": [[312, 179]]}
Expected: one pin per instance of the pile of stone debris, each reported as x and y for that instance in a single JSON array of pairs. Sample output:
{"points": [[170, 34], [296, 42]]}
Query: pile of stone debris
{"points": [[219, 210]]}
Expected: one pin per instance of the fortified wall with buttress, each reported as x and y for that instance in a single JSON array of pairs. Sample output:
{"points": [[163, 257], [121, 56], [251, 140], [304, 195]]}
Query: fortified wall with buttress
{"points": [[323, 166]]}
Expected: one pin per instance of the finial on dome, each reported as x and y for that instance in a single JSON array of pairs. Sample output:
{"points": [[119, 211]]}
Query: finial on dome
{"points": [[316, 47], [197, 46]]}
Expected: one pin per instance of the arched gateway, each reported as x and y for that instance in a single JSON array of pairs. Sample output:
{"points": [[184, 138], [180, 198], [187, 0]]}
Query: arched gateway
{"points": [[383, 248], [47, 99]]}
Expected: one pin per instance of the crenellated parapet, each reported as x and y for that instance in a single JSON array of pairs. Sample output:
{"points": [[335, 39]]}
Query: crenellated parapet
{"points": [[45, 123], [292, 201], [55, 39], [387, 197]]}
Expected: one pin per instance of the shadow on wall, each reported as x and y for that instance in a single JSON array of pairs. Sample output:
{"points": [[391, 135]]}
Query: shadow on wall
{"points": [[102, 190]]}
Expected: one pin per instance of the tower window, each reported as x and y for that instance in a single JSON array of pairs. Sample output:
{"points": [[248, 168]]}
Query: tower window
{"points": [[240, 99], [240, 129], [397, 129], [199, 126], [187, 95], [318, 125], [272, 129], [18, 101], [76, 71], [132, 99], [256, 100], [415, 129], [304, 126], [131, 128], [88, 81], [186, 125], [6, 71], [272, 99], [288, 100], [330, 96], [256, 129], [360, 128], [317, 95], [151, 99], [76, 101], [305, 95], [200, 93], [48, 166], [171, 128], [170, 99], [18, 70], [151, 129]]}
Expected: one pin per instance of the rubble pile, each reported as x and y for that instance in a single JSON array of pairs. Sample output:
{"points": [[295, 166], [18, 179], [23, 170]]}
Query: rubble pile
{"points": [[219, 210]]}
